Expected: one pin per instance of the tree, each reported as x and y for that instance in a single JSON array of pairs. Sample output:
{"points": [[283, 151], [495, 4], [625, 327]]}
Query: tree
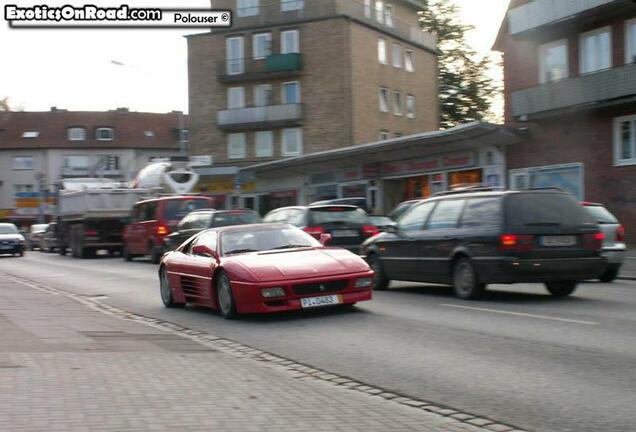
{"points": [[4, 104], [466, 91]]}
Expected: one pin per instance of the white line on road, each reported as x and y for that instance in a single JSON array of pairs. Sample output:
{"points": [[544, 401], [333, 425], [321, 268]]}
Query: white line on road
{"points": [[521, 314]]}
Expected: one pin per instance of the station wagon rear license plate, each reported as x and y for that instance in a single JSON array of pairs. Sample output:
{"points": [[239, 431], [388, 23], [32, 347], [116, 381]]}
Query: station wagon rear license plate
{"points": [[344, 233], [558, 240], [320, 301]]}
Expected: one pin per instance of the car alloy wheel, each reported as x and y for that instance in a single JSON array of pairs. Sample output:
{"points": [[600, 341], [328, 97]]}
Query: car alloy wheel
{"points": [[465, 282], [166, 291], [225, 299]]}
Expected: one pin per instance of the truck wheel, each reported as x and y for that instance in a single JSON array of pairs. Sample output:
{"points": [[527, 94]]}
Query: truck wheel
{"points": [[561, 288], [62, 250]]}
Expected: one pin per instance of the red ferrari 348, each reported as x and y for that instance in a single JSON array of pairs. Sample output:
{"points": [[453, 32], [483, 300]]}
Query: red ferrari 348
{"points": [[262, 268]]}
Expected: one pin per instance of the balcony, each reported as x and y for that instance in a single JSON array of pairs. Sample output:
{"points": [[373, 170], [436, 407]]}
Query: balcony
{"points": [[540, 13], [605, 86], [271, 67], [269, 116]]}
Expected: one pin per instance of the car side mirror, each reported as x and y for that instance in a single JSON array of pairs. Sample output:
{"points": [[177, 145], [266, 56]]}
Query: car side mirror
{"points": [[325, 238], [206, 251]]}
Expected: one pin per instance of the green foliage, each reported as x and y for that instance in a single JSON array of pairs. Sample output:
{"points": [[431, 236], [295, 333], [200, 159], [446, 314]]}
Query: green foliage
{"points": [[466, 91]]}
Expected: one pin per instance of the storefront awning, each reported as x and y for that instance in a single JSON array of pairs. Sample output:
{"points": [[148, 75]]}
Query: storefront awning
{"points": [[467, 136]]}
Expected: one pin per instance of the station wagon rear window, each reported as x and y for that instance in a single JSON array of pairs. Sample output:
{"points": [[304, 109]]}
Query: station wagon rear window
{"points": [[602, 215], [528, 210], [327, 215]]}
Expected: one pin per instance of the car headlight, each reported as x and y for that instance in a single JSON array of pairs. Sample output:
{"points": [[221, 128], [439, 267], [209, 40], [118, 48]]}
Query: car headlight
{"points": [[273, 292], [363, 282]]}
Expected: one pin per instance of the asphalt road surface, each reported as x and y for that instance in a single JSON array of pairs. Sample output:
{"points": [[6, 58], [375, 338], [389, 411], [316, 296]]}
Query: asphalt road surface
{"points": [[519, 356]]}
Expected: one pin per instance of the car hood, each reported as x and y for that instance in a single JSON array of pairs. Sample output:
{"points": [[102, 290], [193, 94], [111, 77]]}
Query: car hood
{"points": [[298, 264], [11, 237]]}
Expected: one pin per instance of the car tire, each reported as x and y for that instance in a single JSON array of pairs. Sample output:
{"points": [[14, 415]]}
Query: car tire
{"points": [[155, 255], [380, 281], [21, 253], [127, 255], [166, 291], [561, 288], [610, 273], [466, 284], [224, 296]]}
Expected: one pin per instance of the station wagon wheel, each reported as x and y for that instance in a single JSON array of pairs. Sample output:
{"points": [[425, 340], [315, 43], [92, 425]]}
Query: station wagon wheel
{"points": [[166, 292], [561, 288], [224, 296], [465, 282], [380, 281]]}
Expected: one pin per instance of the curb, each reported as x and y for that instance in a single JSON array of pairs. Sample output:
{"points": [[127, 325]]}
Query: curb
{"points": [[298, 370]]}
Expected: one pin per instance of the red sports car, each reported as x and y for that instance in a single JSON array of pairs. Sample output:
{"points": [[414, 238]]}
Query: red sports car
{"points": [[262, 268]]}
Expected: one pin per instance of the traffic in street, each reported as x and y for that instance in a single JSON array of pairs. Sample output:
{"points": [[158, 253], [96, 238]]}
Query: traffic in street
{"points": [[519, 355]]}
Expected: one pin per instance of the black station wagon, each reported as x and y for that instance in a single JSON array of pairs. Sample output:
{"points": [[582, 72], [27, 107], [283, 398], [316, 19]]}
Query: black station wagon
{"points": [[469, 239]]}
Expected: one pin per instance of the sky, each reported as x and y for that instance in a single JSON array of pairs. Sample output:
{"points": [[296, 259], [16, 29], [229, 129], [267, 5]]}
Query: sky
{"points": [[74, 69]]}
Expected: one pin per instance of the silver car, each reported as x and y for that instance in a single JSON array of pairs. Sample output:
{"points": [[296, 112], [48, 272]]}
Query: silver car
{"points": [[614, 247]]}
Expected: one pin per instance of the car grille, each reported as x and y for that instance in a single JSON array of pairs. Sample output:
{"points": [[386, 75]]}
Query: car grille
{"points": [[7, 242], [320, 287]]}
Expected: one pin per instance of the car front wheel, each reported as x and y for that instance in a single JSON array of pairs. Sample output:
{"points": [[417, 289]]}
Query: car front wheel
{"points": [[562, 288], [466, 284], [166, 291], [380, 281], [224, 296]]}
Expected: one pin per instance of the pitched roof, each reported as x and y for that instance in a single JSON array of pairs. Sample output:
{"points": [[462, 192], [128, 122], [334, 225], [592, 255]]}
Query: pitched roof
{"points": [[129, 129]]}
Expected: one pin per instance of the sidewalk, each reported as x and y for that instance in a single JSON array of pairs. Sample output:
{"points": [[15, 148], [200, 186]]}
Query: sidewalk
{"points": [[67, 366], [628, 269]]}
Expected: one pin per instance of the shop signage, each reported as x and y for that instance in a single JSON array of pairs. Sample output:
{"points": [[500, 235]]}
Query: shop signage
{"points": [[370, 170], [439, 163], [351, 174], [223, 187]]}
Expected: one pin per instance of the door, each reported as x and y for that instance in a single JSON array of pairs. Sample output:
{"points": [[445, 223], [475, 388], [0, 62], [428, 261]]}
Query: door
{"points": [[234, 54], [196, 272], [134, 230], [147, 228]]}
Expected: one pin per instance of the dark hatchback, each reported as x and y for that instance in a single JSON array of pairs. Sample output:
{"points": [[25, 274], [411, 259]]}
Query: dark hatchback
{"points": [[199, 220], [471, 239], [348, 225]]}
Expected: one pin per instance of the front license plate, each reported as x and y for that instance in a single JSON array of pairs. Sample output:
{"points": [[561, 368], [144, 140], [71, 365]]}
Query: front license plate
{"points": [[320, 301], [344, 233], [6, 247], [558, 240]]}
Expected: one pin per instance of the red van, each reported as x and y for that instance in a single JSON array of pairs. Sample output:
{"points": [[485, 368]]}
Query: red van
{"points": [[153, 219]]}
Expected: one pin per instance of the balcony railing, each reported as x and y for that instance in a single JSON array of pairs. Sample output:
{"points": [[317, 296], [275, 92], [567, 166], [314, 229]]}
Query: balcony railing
{"points": [[261, 116], [539, 13], [590, 88], [272, 14], [272, 66]]}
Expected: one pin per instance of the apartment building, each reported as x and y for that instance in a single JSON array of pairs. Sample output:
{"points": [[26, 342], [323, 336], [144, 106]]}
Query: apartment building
{"points": [[37, 149], [570, 84], [294, 77]]}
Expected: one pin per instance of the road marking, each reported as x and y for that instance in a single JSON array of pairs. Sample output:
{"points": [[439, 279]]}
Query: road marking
{"points": [[521, 314], [55, 275]]}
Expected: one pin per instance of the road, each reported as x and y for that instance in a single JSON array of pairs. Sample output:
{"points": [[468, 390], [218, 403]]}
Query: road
{"points": [[519, 356]]}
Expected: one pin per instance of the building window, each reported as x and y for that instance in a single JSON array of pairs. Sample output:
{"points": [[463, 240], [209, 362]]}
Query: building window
{"points": [[409, 63], [23, 162], [595, 50], [30, 134], [261, 45], [553, 61], [292, 142], [104, 134], [396, 55], [384, 99], [382, 51], [76, 163], [247, 7], [76, 134], [625, 140], [630, 41], [397, 107], [379, 11], [289, 5], [388, 15], [236, 146], [410, 106], [235, 97], [289, 42], [367, 8], [22, 188], [264, 143], [262, 94], [290, 92], [234, 55], [108, 163], [184, 135], [384, 135]]}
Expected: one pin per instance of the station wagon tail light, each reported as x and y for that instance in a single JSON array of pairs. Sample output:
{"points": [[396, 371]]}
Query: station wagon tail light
{"points": [[90, 233], [516, 242], [162, 230], [593, 241], [314, 231], [370, 230], [620, 233]]}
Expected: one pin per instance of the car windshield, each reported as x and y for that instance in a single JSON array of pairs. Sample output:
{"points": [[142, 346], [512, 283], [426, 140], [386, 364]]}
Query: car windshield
{"points": [[8, 229], [601, 214], [177, 209], [235, 218], [329, 215], [256, 240], [381, 220]]}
